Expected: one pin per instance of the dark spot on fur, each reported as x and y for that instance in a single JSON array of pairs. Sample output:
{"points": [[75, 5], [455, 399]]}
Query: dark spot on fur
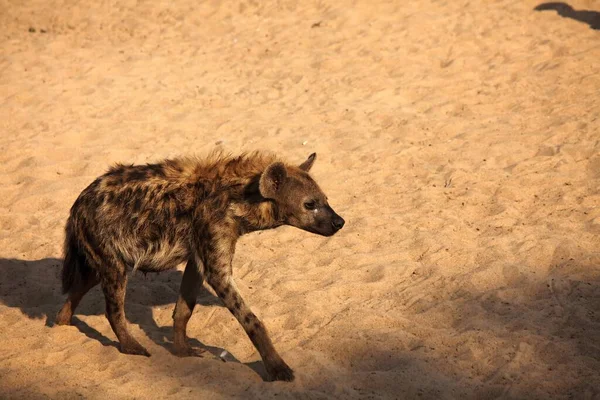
{"points": [[137, 204], [136, 174], [251, 192], [156, 170], [112, 182], [153, 233]]}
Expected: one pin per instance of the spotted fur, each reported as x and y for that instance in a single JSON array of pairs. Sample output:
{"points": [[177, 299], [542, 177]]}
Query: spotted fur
{"points": [[154, 217]]}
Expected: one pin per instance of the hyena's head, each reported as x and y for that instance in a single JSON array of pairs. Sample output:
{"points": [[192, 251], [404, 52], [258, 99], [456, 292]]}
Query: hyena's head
{"points": [[300, 201]]}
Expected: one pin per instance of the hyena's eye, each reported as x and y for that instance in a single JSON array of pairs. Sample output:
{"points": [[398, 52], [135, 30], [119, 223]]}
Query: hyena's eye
{"points": [[310, 205]]}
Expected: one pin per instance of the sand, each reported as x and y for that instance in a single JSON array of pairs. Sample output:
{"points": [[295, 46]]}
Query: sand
{"points": [[459, 139]]}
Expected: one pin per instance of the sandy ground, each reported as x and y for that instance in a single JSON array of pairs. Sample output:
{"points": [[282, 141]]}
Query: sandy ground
{"points": [[459, 139]]}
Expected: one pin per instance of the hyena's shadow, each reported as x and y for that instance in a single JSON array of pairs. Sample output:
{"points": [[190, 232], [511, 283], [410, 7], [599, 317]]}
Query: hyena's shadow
{"points": [[34, 288]]}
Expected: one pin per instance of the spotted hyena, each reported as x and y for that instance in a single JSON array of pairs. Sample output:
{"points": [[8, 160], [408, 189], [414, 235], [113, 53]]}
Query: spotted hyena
{"points": [[153, 217]]}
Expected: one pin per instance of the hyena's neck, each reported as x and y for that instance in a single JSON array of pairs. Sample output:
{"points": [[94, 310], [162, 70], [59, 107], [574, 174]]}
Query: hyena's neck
{"points": [[256, 216]]}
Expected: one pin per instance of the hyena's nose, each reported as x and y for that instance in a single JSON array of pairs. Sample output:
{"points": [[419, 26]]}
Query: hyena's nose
{"points": [[338, 222]]}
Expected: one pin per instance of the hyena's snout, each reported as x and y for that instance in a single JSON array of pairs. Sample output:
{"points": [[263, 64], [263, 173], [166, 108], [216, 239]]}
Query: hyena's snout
{"points": [[337, 222]]}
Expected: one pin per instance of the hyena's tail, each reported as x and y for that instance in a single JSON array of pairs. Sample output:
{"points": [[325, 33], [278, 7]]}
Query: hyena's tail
{"points": [[75, 267]]}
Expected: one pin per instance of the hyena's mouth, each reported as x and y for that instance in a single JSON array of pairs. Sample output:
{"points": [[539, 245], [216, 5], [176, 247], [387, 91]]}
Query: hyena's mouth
{"points": [[326, 229]]}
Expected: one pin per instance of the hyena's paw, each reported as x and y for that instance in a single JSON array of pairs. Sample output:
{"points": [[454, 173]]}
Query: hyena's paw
{"points": [[134, 348], [188, 351], [280, 372]]}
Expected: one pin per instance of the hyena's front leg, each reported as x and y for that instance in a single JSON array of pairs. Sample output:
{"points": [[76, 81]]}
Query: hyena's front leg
{"points": [[190, 286], [219, 276]]}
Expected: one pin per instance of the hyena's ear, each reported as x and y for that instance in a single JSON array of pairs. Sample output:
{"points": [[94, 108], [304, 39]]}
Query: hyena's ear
{"points": [[307, 165], [271, 180]]}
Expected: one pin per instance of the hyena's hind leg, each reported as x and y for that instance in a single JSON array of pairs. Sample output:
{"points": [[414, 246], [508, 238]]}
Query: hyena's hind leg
{"points": [[77, 276], [190, 286], [114, 284], [75, 294]]}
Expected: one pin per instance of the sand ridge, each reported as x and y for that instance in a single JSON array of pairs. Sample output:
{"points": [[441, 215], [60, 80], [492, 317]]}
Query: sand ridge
{"points": [[459, 140]]}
